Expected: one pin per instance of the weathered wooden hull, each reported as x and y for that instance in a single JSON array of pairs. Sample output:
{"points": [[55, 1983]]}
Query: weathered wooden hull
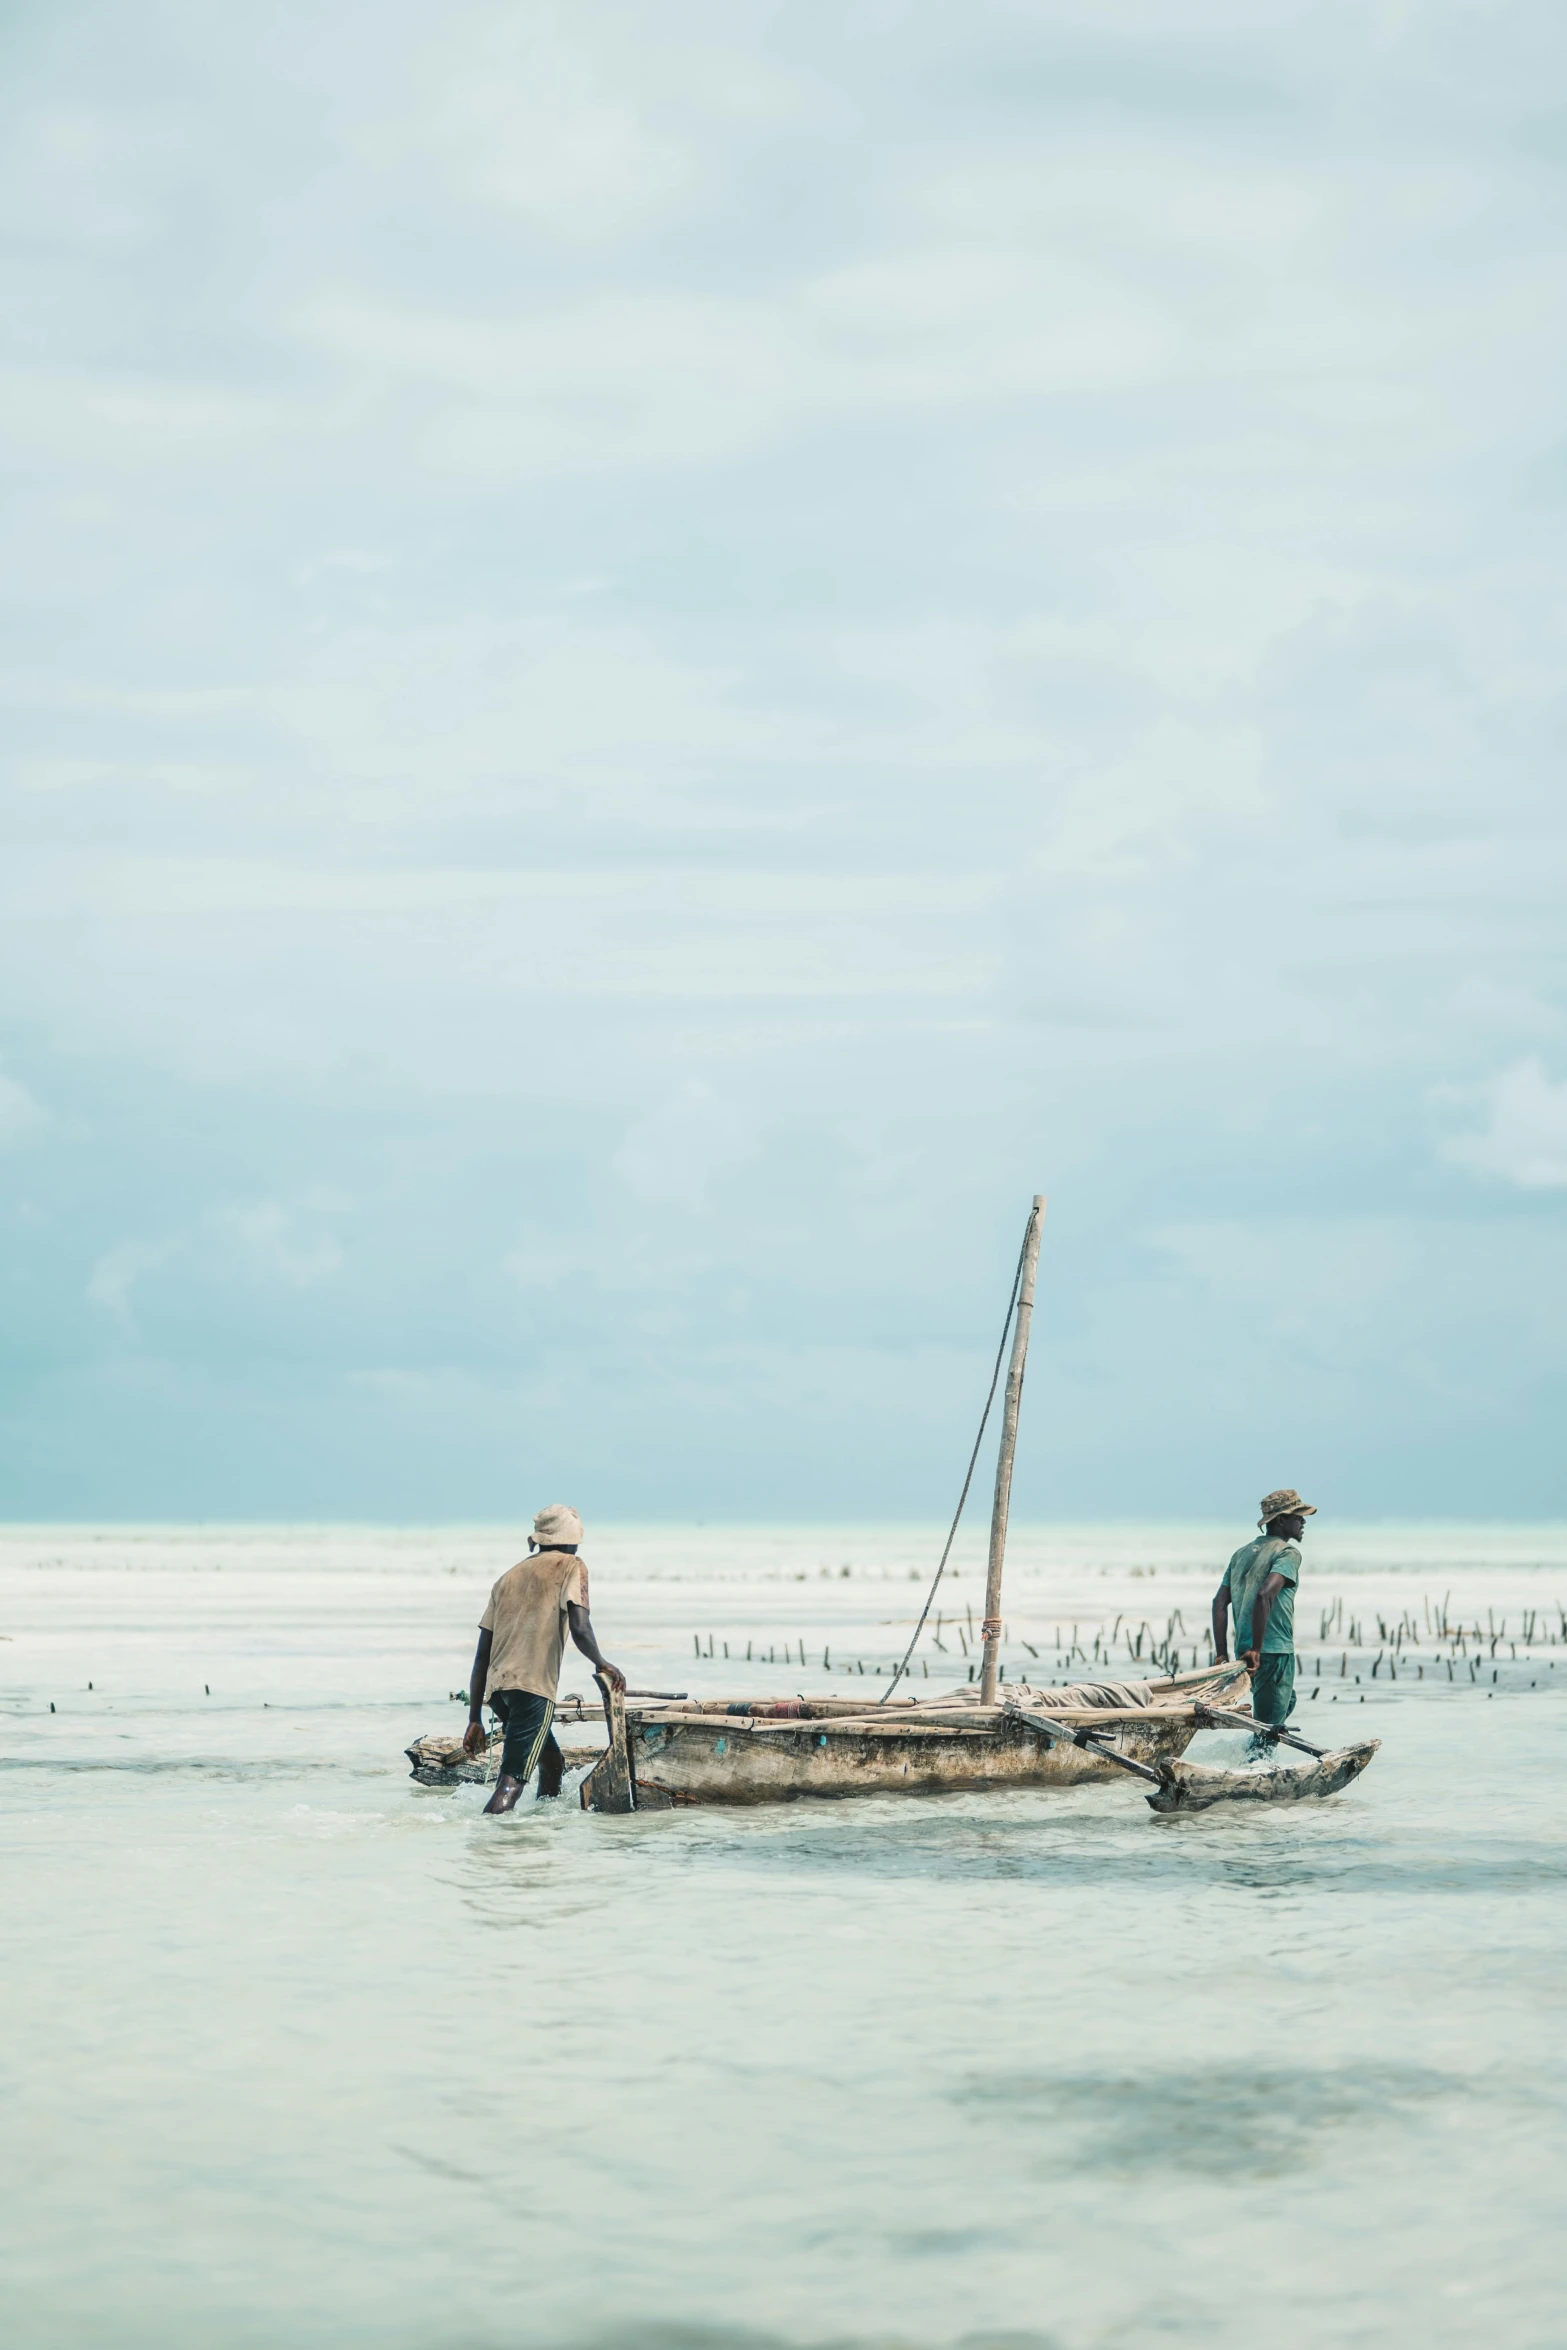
{"points": [[685, 1766], [1194, 1786], [719, 1759], [689, 1765]]}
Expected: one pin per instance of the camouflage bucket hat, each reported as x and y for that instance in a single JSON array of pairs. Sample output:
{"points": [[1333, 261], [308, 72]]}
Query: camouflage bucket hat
{"points": [[1286, 1503]]}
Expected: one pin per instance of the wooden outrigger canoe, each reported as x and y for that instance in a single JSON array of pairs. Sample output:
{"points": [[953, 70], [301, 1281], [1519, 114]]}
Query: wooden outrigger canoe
{"points": [[775, 1750], [665, 1753], [664, 1750]]}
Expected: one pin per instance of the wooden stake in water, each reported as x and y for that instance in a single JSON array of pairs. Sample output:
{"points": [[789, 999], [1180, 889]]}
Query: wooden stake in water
{"points": [[991, 1627]]}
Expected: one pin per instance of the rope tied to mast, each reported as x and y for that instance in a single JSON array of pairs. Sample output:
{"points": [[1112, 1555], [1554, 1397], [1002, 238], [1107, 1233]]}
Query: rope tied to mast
{"points": [[984, 1418]]}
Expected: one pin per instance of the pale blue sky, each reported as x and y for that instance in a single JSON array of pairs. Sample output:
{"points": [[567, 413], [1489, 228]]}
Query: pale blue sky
{"points": [[658, 658]]}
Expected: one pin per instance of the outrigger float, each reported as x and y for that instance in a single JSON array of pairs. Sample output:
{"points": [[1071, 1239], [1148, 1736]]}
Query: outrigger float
{"points": [[665, 1748]]}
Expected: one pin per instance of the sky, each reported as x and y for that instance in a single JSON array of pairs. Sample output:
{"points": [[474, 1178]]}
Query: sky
{"points": [[656, 660]]}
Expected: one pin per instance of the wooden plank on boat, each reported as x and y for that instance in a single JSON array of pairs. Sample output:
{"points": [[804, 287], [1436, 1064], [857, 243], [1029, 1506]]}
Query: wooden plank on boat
{"points": [[577, 1708], [745, 1726], [978, 1721], [870, 1726]]}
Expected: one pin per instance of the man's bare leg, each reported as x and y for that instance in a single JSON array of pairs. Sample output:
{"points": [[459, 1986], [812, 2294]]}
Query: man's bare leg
{"points": [[551, 1766]]}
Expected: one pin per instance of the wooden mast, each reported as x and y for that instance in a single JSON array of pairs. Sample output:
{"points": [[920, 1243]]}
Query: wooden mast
{"points": [[991, 1628]]}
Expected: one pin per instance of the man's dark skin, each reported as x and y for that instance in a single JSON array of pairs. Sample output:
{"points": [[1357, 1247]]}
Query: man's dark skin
{"points": [[1291, 1528], [580, 1625]]}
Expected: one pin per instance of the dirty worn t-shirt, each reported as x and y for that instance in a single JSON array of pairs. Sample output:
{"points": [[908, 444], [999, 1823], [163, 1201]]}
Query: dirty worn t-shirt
{"points": [[1246, 1573], [526, 1619]]}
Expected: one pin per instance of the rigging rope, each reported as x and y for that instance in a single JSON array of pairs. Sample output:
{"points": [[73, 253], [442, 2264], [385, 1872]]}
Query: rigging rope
{"points": [[995, 1379]]}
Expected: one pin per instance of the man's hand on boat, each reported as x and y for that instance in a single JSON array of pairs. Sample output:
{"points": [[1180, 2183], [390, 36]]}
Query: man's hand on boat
{"points": [[584, 1637]]}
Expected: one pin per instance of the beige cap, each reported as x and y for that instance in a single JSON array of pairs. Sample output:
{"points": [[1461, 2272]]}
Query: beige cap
{"points": [[1286, 1503], [557, 1522]]}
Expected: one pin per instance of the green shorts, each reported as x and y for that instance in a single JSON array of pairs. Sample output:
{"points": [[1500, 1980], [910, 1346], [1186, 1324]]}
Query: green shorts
{"points": [[1273, 1688]]}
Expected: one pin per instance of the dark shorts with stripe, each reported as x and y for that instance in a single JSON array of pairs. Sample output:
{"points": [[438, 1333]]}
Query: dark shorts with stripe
{"points": [[529, 1737]]}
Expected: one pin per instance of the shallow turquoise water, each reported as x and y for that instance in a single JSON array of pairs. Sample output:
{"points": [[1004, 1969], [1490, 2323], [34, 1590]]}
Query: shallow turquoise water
{"points": [[297, 2052]]}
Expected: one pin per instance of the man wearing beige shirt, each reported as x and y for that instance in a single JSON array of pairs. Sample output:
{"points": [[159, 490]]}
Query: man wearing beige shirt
{"points": [[522, 1638]]}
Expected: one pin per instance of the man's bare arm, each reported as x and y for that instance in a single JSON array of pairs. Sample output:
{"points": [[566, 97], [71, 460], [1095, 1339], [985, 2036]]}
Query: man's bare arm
{"points": [[1221, 1620], [1261, 1610], [586, 1639], [473, 1736]]}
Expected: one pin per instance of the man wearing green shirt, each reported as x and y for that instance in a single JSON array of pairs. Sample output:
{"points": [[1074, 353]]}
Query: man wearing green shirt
{"points": [[1259, 1591]]}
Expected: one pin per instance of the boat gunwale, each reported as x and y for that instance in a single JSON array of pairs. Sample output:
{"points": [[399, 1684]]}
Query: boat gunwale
{"points": [[1004, 1727]]}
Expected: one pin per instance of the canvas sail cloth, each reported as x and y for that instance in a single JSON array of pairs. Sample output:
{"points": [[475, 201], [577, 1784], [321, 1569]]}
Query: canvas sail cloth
{"points": [[1075, 1697]]}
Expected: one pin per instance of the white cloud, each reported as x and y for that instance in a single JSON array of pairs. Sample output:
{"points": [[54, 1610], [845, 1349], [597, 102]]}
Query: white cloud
{"points": [[279, 1243], [1496, 1004], [117, 1272], [677, 1151], [526, 124], [543, 1262], [1153, 810], [584, 126], [21, 1117], [1524, 1141]]}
